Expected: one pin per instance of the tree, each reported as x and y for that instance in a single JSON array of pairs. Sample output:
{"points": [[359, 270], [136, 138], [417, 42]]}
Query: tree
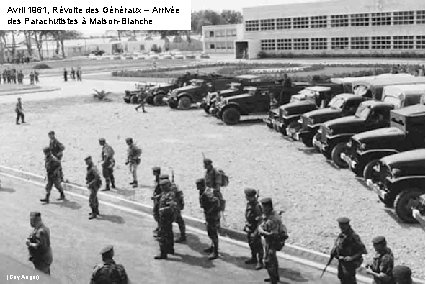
{"points": [[39, 36], [231, 17], [62, 35]]}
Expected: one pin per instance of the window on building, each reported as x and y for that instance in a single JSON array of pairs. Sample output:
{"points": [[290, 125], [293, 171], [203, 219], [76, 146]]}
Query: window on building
{"points": [[301, 23], [267, 44], [284, 44], [212, 46], [403, 18], [220, 33], [420, 17], [381, 19], [339, 20], [301, 43], [360, 43], [420, 42], [210, 34], [267, 25], [381, 42], [360, 20], [252, 25], [403, 42], [339, 43], [318, 22], [318, 43], [283, 23], [228, 33]]}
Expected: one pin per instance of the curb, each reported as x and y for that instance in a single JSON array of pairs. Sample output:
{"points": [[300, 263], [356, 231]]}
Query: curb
{"points": [[290, 252]]}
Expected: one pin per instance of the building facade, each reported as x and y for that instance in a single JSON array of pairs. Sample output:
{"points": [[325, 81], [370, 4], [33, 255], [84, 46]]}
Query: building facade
{"points": [[221, 38]]}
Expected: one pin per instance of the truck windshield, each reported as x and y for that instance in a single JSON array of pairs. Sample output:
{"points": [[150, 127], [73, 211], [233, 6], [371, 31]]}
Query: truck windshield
{"points": [[393, 100], [337, 103], [362, 112]]}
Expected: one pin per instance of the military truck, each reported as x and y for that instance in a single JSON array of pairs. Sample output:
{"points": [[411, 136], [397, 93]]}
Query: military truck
{"points": [[184, 97], [399, 181], [336, 133], [136, 96], [407, 132], [340, 106]]}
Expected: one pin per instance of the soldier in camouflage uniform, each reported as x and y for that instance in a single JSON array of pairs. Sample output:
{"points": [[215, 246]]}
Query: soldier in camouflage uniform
{"points": [[180, 204], [210, 203], [253, 220], [269, 230], [212, 180], [382, 266], [109, 271], [156, 171], [38, 244], [53, 166], [133, 160], [167, 208], [93, 182], [57, 149], [108, 163], [348, 249]]}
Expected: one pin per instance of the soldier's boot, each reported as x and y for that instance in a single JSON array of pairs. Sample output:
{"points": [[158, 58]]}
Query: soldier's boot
{"points": [[107, 188], [215, 253], [252, 260], [93, 215], [260, 261], [46, 199], [162, 255], [112, 181], [135, 184], [209, 249], [62, 197]]}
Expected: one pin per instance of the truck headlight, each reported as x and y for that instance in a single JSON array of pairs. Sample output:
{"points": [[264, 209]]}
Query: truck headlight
{"points": [[349, 144], [311, 121], [396, 172], [362, 146], [330, 131]]}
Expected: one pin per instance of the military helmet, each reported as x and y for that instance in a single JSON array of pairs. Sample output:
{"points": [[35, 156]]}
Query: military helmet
{"points": [[250, 192], [164, 176], [102, 140], [343, 220], [266, 200], [107, 249], [129, 140], [379, 240], [208, 161], [156, 170], [51, 132], [88, 158]]}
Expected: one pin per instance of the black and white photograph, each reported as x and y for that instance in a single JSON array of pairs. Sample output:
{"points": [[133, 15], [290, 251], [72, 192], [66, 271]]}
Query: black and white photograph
{"points": [[275, 141]]}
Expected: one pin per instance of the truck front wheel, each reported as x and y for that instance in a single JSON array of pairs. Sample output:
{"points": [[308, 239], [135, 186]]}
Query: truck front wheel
{"points": [[368, 171], [404, 202], [184, 103], [335, 155], [231, 116]]}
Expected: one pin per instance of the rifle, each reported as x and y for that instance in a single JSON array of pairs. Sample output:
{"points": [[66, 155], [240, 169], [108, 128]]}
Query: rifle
{"points": [[328, 263], [173, 175]]}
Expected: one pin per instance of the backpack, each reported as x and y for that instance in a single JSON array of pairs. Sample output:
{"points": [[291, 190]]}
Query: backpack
{"points": [[282, 236], [224, 179]]}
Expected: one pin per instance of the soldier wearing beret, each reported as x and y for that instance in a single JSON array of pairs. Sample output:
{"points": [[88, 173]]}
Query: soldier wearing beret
{"points": [[269, 230], [133, 160], [402, 274], [93, 182], [108, 163], [253, 220], [348, 250], [38, 244], [57, 149], [109, 271], [167, 211], [156, 171], [382, 266], [19, 111], [210, 203], [53, 168]]}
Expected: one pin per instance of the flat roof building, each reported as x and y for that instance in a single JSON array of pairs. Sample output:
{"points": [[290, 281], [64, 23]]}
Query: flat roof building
{"points": [[221, 38]]}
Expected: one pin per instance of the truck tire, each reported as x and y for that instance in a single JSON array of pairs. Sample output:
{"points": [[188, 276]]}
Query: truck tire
{"points": [[368, 171], [335, 155], [231, 116], [158, 99], [150, 100], [184, 102], [134, 99], [308, 141], [404, 202], [173, 104]]}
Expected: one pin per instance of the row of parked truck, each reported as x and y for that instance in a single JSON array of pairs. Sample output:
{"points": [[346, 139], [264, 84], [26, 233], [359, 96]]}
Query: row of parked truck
{"points": [[372, 125]]}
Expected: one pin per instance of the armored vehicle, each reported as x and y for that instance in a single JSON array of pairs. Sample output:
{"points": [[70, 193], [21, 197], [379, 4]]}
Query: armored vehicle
{"points": [[136, 96], [399, 181], [407, 132]]}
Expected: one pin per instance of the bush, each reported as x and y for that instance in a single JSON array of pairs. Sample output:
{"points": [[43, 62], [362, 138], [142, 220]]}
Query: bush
{"points": [[41, 66]]}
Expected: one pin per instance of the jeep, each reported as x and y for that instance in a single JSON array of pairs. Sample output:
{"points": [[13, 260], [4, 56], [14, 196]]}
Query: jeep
{"points": [[340, 106], [399, 181], [406, 133], [185, 96], [135, 96], [336, 133]]}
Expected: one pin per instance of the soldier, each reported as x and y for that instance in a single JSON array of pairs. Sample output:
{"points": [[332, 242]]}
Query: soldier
{"points": [[156, 171], [36, 76], [20, 77], [382, 266], [57, 149], [78, 73], [156, 198], [65, 75], [180, 204], [253, 220], [402, 274], [31, 78], [109, 271], [210, 203], [348, 249], [93, 182], [133, 160], [167, 216], [108, 163], [53, 167], [19, 111], [269, 230], [38, 244], [212, 180], [72, 73]]}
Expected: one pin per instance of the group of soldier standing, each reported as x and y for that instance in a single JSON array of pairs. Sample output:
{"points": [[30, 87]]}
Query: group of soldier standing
{"points": [[12, 76], [75, 74]]}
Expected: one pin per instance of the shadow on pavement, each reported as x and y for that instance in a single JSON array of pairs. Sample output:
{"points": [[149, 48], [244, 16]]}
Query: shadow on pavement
{"points": [[393, 215], [67, 204], [112, 218], [125, 192], [308, 151], [7, 189]]}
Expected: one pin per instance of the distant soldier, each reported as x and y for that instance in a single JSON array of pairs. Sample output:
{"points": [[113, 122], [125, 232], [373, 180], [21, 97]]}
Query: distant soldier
{"points": [[20, 77], [269, 230], [382, 266], [133, 160], [156, 171], [78, 73], [253, 220], [65, 75], [38, 244], [402, 274], [57, 149], [109, 271], [19, 111], [167, 216], [210, 203], [213, 179], [93, 182], [142, 100], [36, 76], [108, 163], [14, 75], [180, 204], [72, 73], [53, 168], [348, 249], [31, 78], [4, 76]]}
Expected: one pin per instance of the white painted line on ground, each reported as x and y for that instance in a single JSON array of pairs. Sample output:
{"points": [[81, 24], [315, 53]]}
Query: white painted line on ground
{"points": [[198, 231]]}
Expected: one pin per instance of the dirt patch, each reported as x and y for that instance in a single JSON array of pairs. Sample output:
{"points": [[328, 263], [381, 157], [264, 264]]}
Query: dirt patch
{"points": [[312, 192]]}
